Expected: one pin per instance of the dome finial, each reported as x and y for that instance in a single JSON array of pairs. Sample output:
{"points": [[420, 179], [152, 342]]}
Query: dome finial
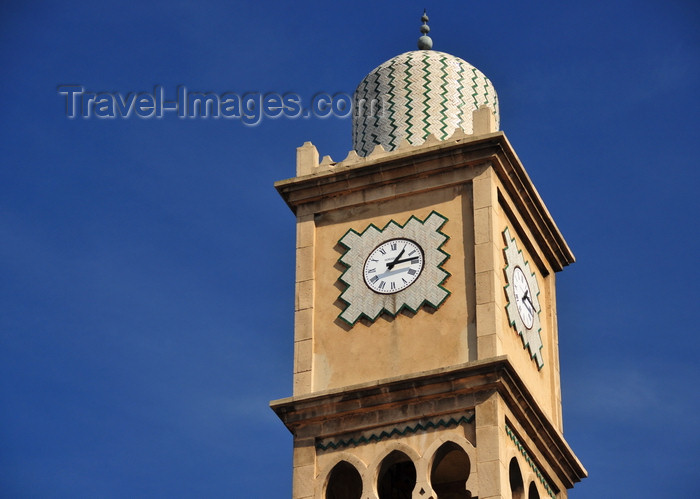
{"points": [[425, 42]]}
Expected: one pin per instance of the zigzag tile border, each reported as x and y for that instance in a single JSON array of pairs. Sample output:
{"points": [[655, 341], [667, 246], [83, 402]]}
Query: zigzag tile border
{"points": [[428, 289], [384, 435]]}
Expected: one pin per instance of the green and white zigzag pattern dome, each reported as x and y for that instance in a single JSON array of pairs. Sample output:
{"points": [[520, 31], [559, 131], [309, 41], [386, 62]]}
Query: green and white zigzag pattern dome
{"points": [[415, 94]]}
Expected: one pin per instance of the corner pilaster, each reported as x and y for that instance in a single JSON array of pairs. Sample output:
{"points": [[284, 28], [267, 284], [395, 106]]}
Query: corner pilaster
{"points": [[304, 471], [304, 303], [486, 249]]}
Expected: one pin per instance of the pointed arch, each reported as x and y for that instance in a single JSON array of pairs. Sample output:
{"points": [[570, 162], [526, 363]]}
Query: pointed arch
{"points": [[473, 481], [344, 482], [532, 492], [326, 477], [515, 477], [450, 471], [396, 477]]}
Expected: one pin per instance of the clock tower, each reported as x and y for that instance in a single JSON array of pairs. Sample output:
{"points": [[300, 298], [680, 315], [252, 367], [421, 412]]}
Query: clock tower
{"points": [[425, 335]]}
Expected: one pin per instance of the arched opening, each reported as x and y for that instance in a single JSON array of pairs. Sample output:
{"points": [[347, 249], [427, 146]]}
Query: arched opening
{"points": [[532, 491], [344, 482], [397, 477], [450, 472], [517, 489]]}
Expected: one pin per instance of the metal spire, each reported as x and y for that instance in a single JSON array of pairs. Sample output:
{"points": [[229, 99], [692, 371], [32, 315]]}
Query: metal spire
{"points": [[425, 42]]}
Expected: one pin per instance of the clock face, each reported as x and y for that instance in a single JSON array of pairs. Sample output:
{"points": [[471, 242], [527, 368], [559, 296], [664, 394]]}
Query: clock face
{"points": [[523, 298], [393, 266], [523, 306]]}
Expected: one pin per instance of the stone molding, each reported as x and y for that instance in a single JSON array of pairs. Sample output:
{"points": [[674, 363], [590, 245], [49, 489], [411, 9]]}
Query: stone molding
{"points": [[430, 394], [378, 436]]}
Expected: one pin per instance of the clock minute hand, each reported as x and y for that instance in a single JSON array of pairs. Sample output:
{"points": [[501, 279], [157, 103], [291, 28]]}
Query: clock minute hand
{"points": [[390, 266], [404, 260]]}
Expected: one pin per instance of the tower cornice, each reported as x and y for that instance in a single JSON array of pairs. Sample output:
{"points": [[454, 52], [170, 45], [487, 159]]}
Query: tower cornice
{"points": [[434, 396], [412, 169]]}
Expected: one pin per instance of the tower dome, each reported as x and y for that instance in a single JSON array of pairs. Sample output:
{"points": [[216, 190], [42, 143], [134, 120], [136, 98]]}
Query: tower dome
{"points": [[415, 94]]}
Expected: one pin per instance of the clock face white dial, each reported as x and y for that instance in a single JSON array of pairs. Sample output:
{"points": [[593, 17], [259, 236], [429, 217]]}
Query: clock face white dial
{"points": [[523, 306], [393, 265], [523, 298]]}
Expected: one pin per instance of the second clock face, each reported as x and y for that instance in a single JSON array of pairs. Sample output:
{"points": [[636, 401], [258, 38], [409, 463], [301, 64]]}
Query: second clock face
{"points": [[523, 297], [393, 265]]}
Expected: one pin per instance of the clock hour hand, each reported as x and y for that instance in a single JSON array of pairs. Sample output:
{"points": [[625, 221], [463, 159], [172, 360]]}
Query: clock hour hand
{"points": [[390, 266], [527, 299]]}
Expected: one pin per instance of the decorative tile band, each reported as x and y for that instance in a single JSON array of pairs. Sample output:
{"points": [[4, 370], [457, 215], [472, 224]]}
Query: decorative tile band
{"points": [[529, 461], [408, 430]]}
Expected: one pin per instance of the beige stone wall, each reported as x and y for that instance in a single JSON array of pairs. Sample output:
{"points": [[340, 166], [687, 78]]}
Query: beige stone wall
{"points": [[471, 324], [409, 343], [494, 210], [544, 383]]}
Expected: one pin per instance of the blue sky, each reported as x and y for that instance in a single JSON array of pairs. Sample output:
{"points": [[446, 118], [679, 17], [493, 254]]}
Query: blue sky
{"points": [[147, 264]]}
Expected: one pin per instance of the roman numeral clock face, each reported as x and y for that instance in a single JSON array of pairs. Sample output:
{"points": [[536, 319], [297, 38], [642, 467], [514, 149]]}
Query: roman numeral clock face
{"points": [[523, 306], [393, 266]]}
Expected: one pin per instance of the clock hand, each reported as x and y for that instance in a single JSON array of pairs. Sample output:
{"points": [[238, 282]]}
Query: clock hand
{"points": [[404, 260], [390, 266], [390, 273], [527, 299]]}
